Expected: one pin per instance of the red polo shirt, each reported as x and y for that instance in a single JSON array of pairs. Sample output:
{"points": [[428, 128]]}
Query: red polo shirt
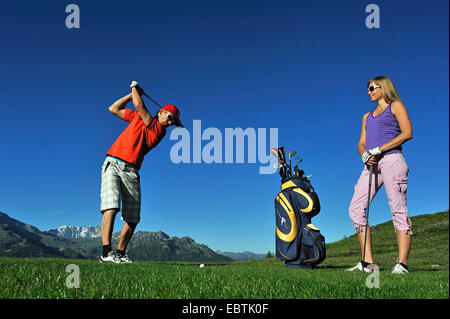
{"points": [[137, 139]]}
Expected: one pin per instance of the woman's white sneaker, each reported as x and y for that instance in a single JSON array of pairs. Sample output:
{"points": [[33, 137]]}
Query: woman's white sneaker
{"points": [[124, 259], [399, 269], [359, 267], [111, 258]]}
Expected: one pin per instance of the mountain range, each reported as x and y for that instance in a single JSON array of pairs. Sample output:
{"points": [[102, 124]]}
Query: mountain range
{"points": [[18, 239], [241, 256], [76, 231], [73, 232]]}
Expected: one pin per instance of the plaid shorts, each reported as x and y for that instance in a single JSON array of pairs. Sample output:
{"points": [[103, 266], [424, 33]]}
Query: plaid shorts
{"points": [[121, 182]]}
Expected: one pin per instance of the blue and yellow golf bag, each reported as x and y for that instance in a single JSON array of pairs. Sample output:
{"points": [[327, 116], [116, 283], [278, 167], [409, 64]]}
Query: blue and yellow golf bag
{"points": [[298, 242]]}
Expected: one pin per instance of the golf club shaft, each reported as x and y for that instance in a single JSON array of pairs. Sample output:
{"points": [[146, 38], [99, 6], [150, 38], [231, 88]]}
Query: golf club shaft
{"points": [[367, 214], [143, 93], [290, 166]]}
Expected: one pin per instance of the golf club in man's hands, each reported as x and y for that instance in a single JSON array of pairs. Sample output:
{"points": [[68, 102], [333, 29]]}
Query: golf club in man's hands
{"points": [[141, 92], [136, 85]]}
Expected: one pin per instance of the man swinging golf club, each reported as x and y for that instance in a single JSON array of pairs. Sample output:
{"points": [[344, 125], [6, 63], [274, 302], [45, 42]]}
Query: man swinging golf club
{"points": [[120, 171]]}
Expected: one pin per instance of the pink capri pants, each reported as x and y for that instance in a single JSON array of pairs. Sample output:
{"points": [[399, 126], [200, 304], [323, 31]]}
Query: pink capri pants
{"points": [[392, 171]]}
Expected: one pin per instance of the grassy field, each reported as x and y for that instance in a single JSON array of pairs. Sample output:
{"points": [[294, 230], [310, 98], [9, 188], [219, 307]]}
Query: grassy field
{"points": [[267, 278]]}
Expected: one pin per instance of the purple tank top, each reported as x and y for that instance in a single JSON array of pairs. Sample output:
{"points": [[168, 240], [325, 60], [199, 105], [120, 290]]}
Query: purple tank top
{"points": [[382, 129]]}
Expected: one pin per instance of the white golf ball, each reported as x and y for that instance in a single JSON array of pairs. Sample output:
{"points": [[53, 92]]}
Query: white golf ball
{"points": [[202, 265]]}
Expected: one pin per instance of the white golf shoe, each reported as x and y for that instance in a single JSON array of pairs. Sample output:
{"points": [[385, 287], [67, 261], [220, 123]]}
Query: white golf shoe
{"points": [[111, 258], [124, 259], [359, 267], [399, 269]]}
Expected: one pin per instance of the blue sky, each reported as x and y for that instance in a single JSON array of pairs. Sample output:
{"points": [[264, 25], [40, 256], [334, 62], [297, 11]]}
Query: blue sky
{"points": [[299, 66]]}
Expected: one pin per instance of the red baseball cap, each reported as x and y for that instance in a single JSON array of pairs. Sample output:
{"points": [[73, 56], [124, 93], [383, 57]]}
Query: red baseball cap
{"points": [[175, 112]]}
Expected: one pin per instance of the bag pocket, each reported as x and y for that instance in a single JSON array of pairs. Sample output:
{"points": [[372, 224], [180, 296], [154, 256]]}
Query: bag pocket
{"points": [[286, 229], [313, 250], [316, 204]]}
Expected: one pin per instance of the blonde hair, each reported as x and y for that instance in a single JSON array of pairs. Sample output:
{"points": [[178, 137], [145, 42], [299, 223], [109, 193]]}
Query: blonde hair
{"points": [[388, 89]]}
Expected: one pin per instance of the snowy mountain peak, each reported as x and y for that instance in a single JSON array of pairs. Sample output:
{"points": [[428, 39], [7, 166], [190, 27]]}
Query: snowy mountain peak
{"points": [[76, 231]]}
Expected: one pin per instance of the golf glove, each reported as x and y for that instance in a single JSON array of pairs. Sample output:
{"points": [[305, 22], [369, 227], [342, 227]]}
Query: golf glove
{"points": [[138, 88], [365, 156], [375, 151], [368, 154]]}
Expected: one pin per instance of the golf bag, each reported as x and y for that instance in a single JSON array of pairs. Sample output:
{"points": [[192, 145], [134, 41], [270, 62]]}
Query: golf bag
{"points": [[298, 242]]}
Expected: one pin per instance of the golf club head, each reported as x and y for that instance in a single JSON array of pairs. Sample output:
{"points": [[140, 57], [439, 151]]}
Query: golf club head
{"points": [[292, 154], [309, 176], [298, 160], [278, 165], [274, 152]]}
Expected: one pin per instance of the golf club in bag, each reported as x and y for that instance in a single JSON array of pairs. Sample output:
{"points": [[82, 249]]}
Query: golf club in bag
{"points": [[298, 242]]}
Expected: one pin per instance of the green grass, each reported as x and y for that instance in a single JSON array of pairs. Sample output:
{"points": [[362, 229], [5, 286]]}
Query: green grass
{"points": [[266, 279], [429, 246], [46, 278]]}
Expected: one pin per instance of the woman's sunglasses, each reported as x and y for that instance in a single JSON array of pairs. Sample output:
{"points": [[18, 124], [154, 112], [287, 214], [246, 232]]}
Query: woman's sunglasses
{"points": [[373, 88]]}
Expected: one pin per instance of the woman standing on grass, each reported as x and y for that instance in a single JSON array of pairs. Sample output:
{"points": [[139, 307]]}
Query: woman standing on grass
{"points": [[383, 132]]}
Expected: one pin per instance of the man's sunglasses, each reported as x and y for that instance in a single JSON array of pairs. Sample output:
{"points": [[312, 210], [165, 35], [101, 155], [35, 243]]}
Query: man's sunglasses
{"points": [[170, 118], [373, 88]]}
